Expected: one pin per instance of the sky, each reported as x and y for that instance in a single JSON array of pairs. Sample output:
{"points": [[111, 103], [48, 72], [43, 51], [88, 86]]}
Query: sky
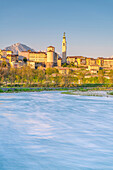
{"points": [[40, 23]]}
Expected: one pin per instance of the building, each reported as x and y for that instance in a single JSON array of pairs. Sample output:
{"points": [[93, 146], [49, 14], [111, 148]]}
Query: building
{"points": [[38, 57], [77, 60], [24, 54], [4, 53], [4, 59], [12, 58], [31, 64], [100, 61], [64, 70], [90, 61], [71, 59], [64, 49], [93, 67], [59, 62], [52, 57], [108, 63], [14, 64], [81, 60]]}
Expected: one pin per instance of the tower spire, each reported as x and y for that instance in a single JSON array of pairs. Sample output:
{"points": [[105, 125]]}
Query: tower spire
{"points": [[64, 34]]}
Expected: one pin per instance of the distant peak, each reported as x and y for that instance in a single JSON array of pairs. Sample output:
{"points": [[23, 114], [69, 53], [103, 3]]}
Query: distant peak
{"points": [[18, 47], [17, 44]]}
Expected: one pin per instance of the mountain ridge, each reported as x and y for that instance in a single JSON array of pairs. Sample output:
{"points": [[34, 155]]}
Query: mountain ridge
{"points": [[18, 47]]}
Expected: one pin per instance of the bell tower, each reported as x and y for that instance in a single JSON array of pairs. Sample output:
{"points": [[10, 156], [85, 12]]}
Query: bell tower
{"points": [[64, 49]]}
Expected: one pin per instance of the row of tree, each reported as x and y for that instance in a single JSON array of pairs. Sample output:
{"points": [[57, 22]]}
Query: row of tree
{"points": [[49, 77]]}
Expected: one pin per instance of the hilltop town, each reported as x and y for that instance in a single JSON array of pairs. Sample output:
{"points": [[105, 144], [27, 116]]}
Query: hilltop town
{"points": [[82, 69]]}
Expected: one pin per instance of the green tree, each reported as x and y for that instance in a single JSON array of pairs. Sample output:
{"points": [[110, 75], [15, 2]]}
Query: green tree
{"points": [[4, 64], [64, 65], [111, 76], [41, 76], [101, 76], [80, 76], [12, 75], [25, 60], [50, 71]]}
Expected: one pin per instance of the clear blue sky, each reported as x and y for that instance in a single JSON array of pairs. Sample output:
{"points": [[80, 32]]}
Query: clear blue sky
{"points": [[39, 23]]}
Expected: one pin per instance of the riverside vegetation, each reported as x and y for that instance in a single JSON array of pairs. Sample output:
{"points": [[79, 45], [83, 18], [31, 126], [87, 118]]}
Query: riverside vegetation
{"points": [[27, 79]]}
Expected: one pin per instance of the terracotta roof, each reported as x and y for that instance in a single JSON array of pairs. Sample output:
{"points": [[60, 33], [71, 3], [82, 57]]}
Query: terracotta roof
{"points": [[50, 51], [38, 52], [41, 52], [25, 51], [14, 55], [9, 50], [51, 47], [3, 50], [100, 58], [75, 57], [108, 58], [32, 52]]}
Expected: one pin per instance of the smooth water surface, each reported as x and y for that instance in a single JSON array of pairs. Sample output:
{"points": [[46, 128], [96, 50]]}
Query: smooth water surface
{"points": [[50, 130]]}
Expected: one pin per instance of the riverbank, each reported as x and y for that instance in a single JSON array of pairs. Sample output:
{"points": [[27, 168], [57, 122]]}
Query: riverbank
{"points": [[31, 89], [83, 91], [90, 93]]}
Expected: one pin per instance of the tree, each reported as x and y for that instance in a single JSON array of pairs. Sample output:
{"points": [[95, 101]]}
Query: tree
{"points": [[1, 74], [80, 77], [41, 76], [57, 80], [25, 60], [12, 75], [111, 76], [6, 72], [50, 71], [101, 76], [4, 64], [64, 65]]}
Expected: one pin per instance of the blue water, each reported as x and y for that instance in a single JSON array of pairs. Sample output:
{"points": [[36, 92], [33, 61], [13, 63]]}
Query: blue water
{"points": [[52, 131]]}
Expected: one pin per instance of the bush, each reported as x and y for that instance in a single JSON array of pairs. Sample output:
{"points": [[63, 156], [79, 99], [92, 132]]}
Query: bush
{"points": [[1, 91], [82, 89], [9, 90]]}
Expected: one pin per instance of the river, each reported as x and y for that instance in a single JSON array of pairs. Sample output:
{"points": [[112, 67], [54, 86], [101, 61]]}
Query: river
{"points": [[54, 131]]}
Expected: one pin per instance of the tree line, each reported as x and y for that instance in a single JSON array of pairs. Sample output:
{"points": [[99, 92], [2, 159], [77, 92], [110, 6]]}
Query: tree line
{"points": [[50, 77]]}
